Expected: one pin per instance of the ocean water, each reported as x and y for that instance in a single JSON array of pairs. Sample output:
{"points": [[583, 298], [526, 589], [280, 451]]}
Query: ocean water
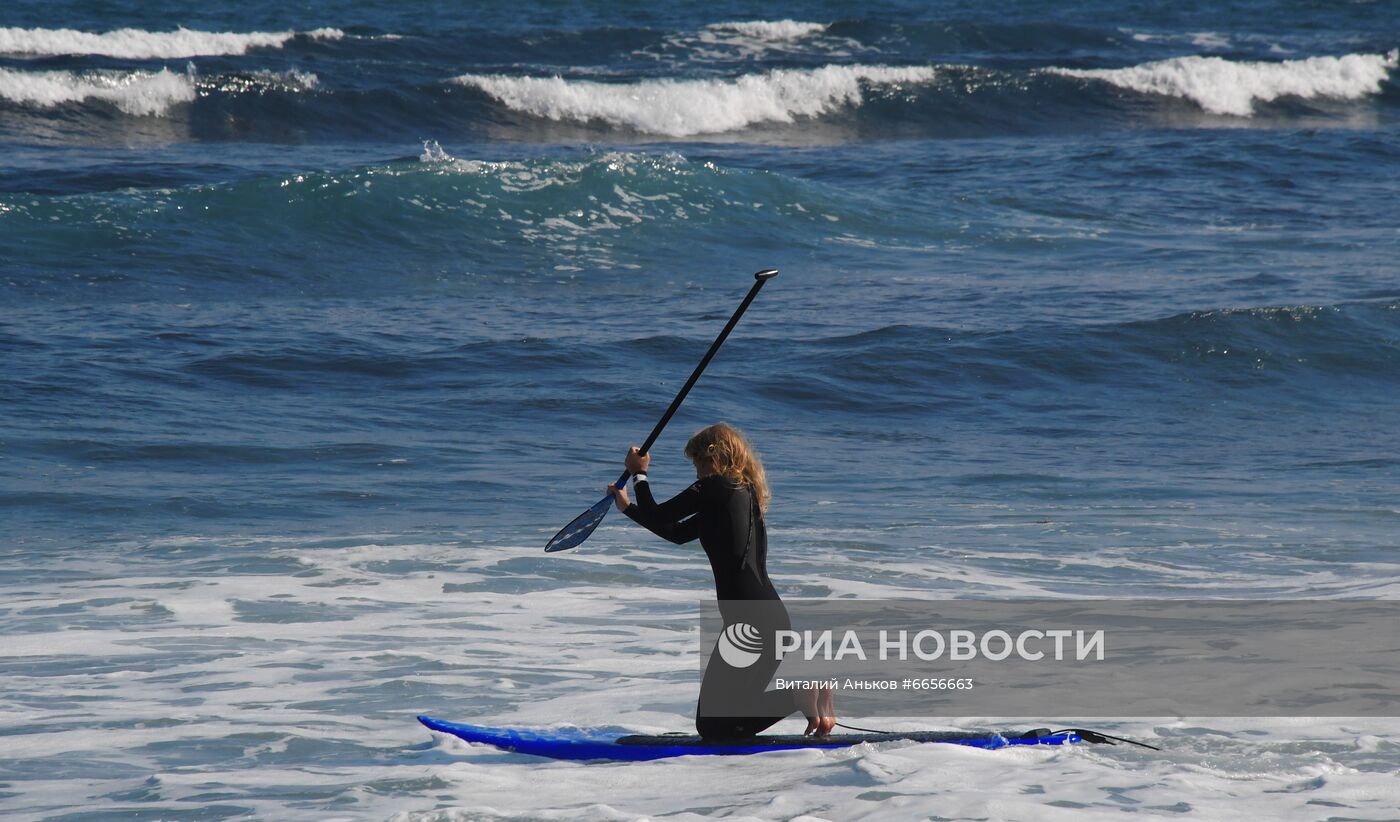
{"points": [[319, 319]]}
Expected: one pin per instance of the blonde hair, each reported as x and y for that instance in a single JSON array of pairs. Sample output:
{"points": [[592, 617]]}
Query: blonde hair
{"points": [[732, 456]]}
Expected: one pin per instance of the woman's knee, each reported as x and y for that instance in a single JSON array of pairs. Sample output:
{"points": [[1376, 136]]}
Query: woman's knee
{"points": [[717, 727]]}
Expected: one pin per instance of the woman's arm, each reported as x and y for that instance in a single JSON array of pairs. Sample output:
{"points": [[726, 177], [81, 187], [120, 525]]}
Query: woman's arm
{"points": [[675, 519]]}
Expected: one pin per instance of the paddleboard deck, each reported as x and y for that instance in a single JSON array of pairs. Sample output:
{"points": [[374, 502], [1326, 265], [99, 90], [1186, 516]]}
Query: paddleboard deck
{"points": [[584, 745]]}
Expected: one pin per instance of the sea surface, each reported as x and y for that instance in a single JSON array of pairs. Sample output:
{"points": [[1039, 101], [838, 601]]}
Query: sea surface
{"points": [[318, 319]]}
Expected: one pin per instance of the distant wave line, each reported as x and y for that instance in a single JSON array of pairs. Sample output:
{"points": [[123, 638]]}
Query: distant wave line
{"points": [[682, 108], [769, 30], [138, 93], [139, 44], [1222, 86]]}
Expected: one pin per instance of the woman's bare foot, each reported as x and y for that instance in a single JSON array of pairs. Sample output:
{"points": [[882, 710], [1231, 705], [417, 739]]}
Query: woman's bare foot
{"points": [[818, 705], [826, 709]]}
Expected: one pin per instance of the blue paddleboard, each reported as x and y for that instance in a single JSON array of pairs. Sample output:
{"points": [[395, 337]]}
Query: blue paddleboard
{"points": [[586, 745]]}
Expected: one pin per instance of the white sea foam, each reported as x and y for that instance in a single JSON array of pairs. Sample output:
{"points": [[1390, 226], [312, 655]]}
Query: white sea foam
{"points": [[1210, 40], [140, 93], [138, 44], [736, 41], [769, 29], [433, 153], [1201, 39], [1225, 87], [681, 108], [238, 681]]}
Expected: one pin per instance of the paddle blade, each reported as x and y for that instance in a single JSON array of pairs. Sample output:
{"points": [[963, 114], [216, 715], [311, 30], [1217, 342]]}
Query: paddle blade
{"points": [[578, 530]]}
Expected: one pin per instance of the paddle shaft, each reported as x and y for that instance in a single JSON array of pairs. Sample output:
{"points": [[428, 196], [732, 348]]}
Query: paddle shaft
{"points": [[759, 279]]}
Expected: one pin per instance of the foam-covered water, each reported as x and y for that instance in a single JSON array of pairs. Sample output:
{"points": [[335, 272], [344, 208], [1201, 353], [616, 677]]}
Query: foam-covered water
{"points": [[319, 321]]}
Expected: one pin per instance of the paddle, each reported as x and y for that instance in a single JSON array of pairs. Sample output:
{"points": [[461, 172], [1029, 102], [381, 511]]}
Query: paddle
{"points": [[577, 531]]}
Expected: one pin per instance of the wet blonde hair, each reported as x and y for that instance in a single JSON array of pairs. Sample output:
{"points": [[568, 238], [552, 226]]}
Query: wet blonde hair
{"points": [[733, 457]]}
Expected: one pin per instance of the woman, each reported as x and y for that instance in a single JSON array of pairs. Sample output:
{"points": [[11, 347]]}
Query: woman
{"points": [[724, 509]]}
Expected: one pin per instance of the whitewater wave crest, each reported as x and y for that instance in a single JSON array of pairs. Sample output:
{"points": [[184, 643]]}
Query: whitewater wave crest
{"points": [[1222, 86], [682, 108], [138, 44], [768, 30], [139, 93], [143, 93]]}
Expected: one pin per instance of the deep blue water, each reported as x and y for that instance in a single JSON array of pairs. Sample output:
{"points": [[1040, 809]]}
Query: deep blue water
{"points": [[1129, 331]]}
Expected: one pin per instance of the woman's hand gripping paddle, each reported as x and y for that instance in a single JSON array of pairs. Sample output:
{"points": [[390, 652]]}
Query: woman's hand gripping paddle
{"points": [[577, 531]]}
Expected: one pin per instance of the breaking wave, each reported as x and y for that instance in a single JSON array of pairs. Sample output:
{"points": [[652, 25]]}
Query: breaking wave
{"points": [[139, 93], [138, 44], [768, 30], [682, 108], [1221, 86]]}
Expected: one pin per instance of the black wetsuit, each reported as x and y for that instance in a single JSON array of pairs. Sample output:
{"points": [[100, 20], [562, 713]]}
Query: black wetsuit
{"points": [[725, 517]]}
